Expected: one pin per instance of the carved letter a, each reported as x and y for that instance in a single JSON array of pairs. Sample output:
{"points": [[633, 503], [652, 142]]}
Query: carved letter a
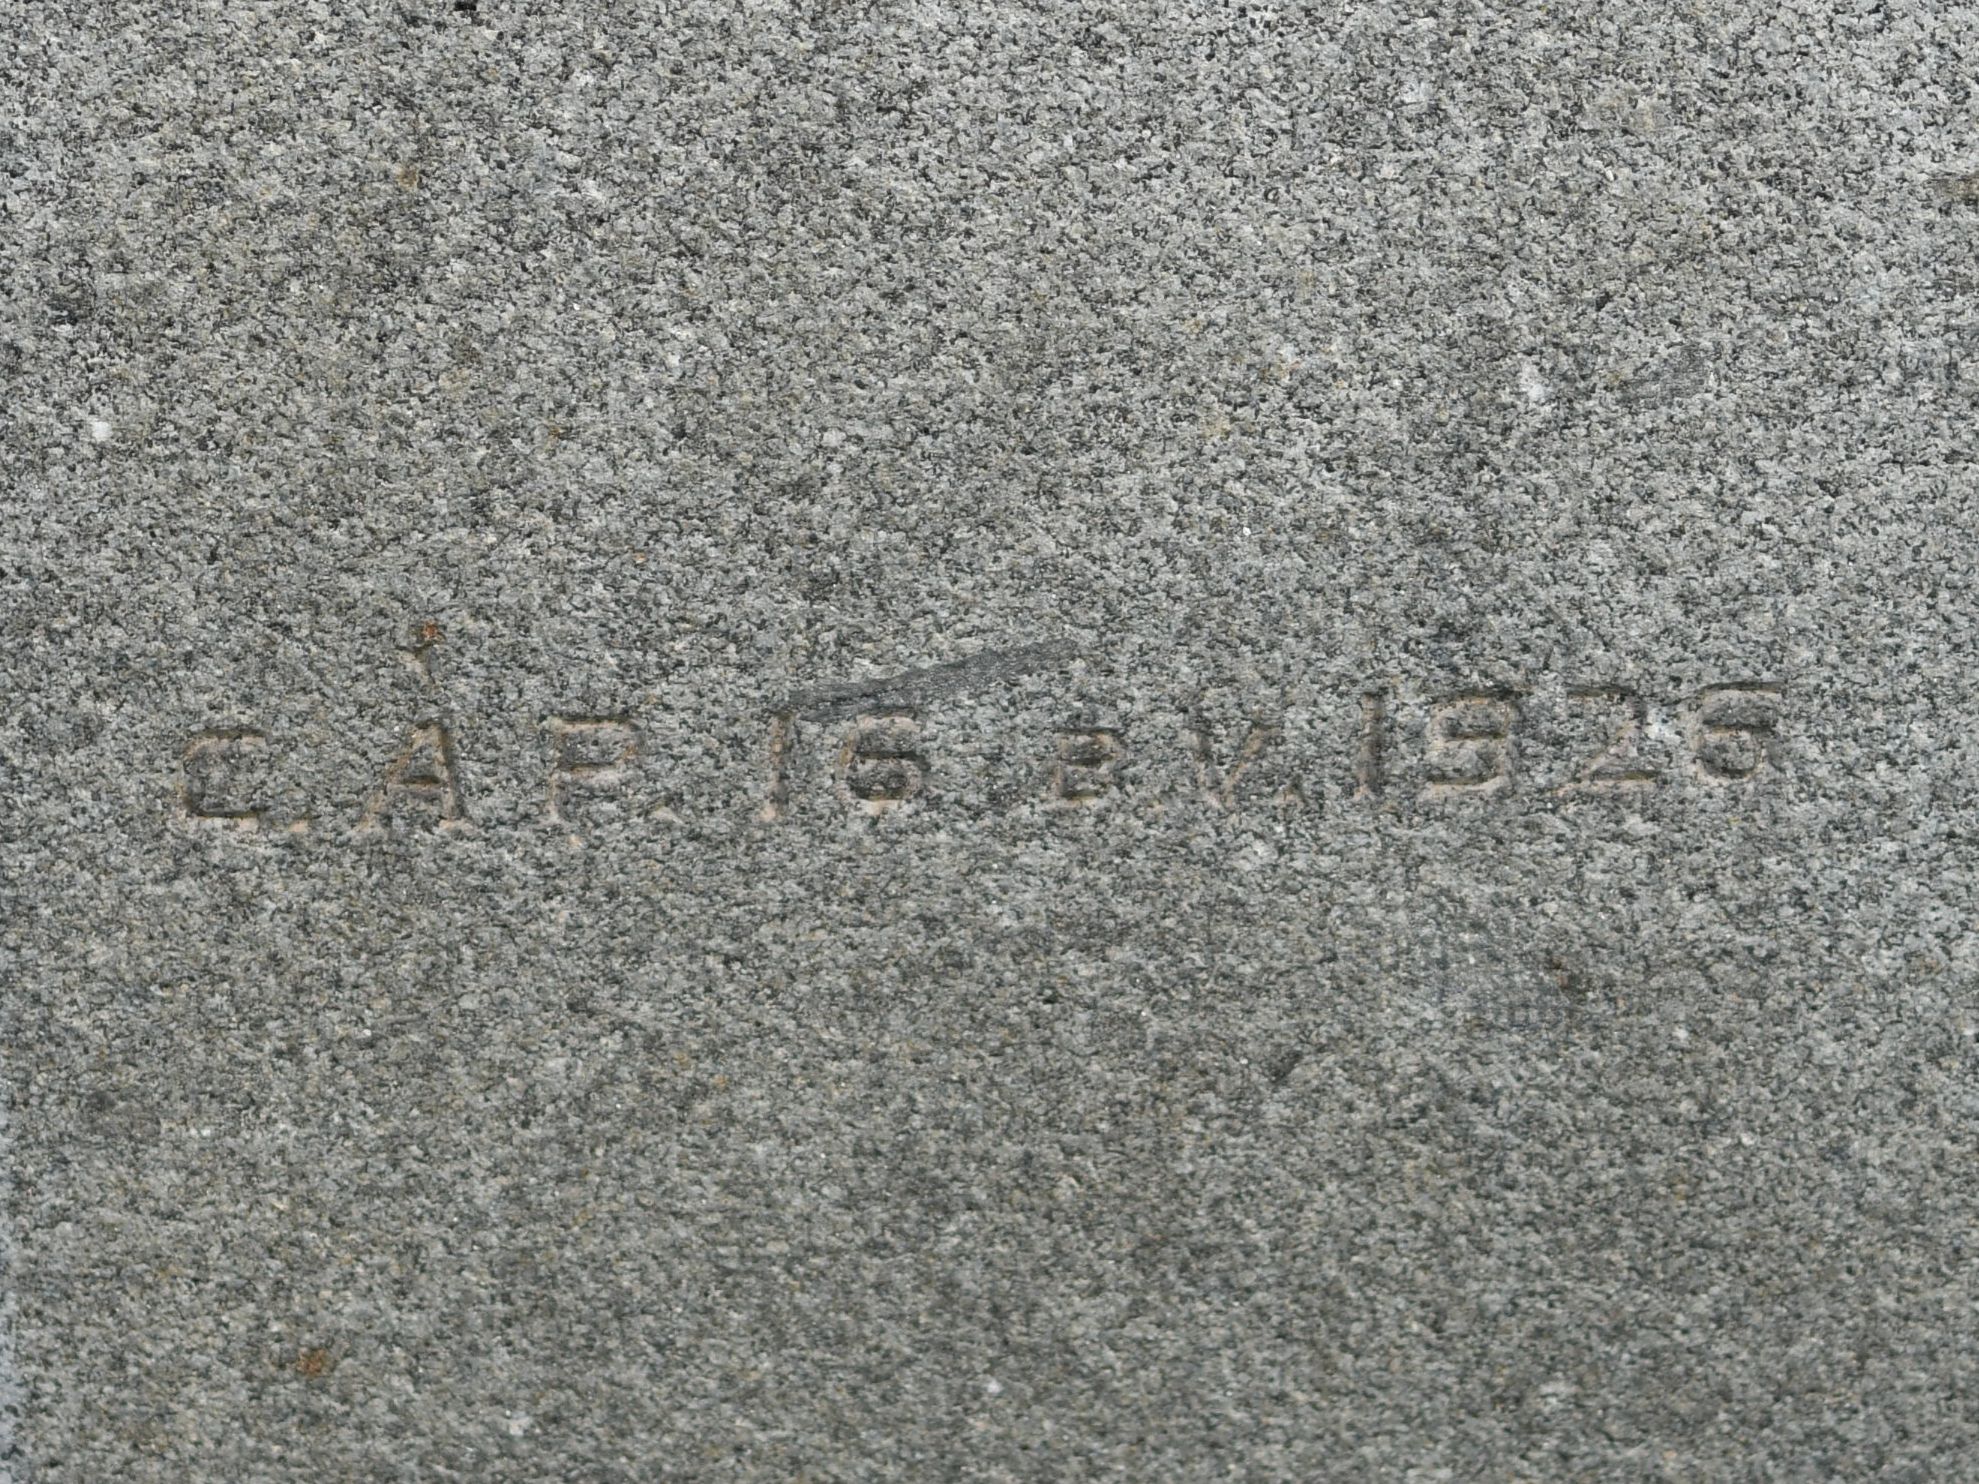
{"points": [[424, 771]]}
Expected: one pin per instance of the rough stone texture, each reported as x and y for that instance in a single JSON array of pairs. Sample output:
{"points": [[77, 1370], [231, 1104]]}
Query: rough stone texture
{"points": [[1038, 411]]}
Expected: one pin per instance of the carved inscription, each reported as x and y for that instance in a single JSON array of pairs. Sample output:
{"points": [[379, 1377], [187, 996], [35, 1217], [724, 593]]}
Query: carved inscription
{"points": [[880, 763], [1399, 750], [203, 797], [1733, 730], [1087, 762], [1219, 784], [423, 779], [783, 740], [1470, 745], [1371, 755], [1620, 764], [587, 753]]}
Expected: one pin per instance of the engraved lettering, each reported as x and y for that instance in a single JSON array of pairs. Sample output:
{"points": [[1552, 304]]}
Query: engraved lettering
{"points": [[424, 772], [1734, 730], [1371, 758], [1087, 762], [1470, 745], [210, 754], [587, 753], [880, 763], [1619, 766], [1221, 792], [1473, 748], [783, 738]]}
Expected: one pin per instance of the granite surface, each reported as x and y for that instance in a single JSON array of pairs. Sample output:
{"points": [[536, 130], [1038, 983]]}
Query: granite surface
{"points": [[907, 742]]}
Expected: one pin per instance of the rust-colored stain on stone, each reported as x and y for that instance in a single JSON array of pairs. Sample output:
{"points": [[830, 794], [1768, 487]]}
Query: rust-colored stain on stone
{"points": [[316, 1362]]}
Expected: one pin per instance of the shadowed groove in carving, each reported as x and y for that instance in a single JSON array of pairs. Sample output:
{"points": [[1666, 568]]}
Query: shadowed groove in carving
{"points": [[841, 701]]}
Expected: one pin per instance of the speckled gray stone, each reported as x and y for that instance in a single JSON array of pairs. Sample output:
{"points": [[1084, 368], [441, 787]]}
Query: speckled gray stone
{"points": [[907, 742]]}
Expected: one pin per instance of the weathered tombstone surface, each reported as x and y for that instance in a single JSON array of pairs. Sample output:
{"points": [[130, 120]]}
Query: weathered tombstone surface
{"points": [[914, 742]]}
